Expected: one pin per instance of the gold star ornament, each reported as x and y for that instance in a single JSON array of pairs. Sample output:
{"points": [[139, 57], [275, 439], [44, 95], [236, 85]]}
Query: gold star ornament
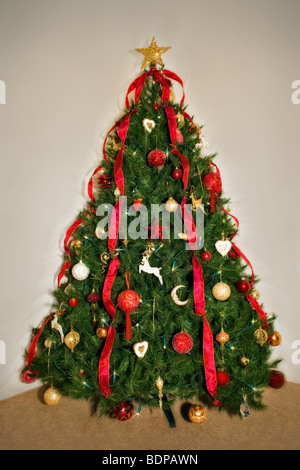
{"points": [[152, 54]]}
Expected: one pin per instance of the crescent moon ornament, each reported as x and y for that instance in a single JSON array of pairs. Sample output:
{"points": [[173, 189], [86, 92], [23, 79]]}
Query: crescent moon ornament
{"points": [[175, 296]]}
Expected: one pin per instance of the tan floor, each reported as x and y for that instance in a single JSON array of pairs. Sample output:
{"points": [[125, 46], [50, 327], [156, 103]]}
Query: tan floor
{"points": [[28, 424]]}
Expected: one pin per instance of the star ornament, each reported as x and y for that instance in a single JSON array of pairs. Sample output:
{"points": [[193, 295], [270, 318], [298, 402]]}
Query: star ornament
{"points": [[152, 54]]}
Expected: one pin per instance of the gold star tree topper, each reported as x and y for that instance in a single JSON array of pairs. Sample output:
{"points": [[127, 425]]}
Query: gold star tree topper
{"points": [[152, 54]]}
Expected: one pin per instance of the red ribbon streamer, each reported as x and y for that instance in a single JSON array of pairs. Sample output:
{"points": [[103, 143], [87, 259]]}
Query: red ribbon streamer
{"points": [[32, 349], [258, 310], [189, 223], [68, 235], [90, 187], [105, 355], [208, 342], [252, 301]]}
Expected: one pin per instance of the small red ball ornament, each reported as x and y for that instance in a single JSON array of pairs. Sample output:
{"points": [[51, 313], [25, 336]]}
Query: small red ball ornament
{"points": [[176, 174], [182, 343], [205, 255], [276, 379], [137, 204], [233, 254], [73, 302], [123, 411], [156, 158], [223, 378], [93, 297], [128, 301], [213, 183], [28, 379], [243, 286], [156, 106]]}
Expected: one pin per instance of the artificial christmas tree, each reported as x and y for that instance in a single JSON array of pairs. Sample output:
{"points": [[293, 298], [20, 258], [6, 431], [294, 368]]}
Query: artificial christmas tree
{"points": [[119, 330]]}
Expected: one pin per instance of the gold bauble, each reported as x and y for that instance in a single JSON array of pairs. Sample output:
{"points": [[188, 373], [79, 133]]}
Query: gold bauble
{"points": [[222, 337], [72, 339], [159, 383], [101, 332], [274, 338], [197, 413], [244, 361], [48, 343], [75, 244], [255, 294], [180, 120], [221, 291], [171, 96], [171, 205], [260, 336], [52, 396]]}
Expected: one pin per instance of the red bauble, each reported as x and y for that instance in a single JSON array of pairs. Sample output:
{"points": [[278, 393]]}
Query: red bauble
{"points": [[128, 301], [156, 106], [212, 181], [223, 378], [176, 174], [182, 342], [243, 286], [123, 411], [205, 255], [104, 181], [179, 137], [27, 379], [156, 158], [73, 302], [137, 204], [93, 297], [233, 254], [276, 379]]}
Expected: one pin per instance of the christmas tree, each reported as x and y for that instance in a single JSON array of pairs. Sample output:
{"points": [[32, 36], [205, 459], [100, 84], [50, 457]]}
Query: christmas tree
{"points": [[155, 301]]}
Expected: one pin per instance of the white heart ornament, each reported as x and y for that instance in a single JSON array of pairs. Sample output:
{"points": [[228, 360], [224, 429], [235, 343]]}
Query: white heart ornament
{"points": [[148, 124], [223, 246], [140, 349]]}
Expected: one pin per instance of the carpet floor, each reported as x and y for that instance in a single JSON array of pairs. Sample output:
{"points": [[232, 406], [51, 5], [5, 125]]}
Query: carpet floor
{"points": [[28, 424]]}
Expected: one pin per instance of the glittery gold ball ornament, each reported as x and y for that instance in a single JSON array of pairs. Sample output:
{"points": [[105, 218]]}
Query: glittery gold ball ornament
{"points": [[72, 339], [180, 120], [221, 291], [80, 271], [244, 361], [52, 396], [75, 244], [197, 413], [255, 294], [274, 338], [260, 336], [101, 332], [222, 337]]}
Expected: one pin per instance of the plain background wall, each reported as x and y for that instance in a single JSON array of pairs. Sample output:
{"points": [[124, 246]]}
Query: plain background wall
{"points": [[67, 65]]}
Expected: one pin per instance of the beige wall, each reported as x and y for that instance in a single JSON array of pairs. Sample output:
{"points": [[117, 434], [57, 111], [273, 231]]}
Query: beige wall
{"points": [[67, 65]]}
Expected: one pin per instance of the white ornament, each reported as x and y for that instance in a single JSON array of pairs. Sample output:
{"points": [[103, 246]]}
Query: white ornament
{"points": [[175, 296], [80, 271], [140, 349], [58, 327], [171, 205], [223, 246], [145, 266], [148, 124], [100, 232]]}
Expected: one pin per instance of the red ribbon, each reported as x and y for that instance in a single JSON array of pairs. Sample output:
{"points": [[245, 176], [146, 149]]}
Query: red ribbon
{"points": [[68, 235], [189, 223], [105, 355], [208, 342], [252, 301], [32, 349], [90, 188], [173, 128]]}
